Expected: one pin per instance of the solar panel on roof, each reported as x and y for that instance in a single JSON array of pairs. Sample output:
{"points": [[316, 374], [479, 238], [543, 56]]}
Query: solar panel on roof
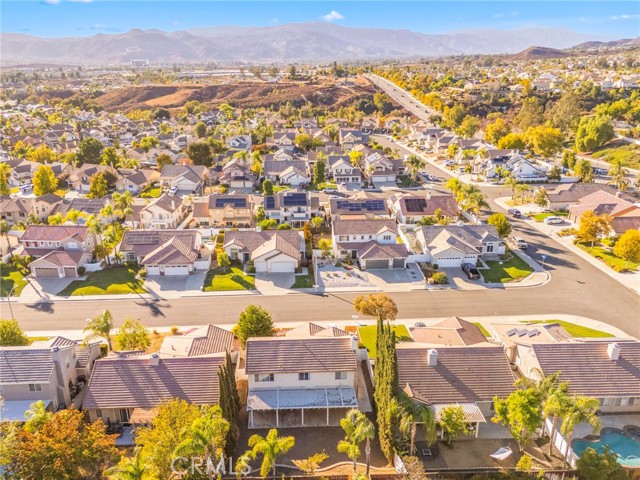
{"points": [[236, 202], [533, 333], [295, 200], [512, 332], [415, 204]]}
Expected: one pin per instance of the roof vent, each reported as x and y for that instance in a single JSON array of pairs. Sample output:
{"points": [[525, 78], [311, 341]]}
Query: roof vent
{"points": [[154, 361], [432, 359], [613, 350], [55, 349]]}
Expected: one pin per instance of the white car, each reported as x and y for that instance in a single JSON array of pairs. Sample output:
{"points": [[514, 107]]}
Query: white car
{"points": [[554, 221], [173, 190], [449, 163]]}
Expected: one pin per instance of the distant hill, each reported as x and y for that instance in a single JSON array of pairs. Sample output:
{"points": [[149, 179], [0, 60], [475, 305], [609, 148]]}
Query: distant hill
{"points": [[537, 53], [296, 42], [615, 43]]}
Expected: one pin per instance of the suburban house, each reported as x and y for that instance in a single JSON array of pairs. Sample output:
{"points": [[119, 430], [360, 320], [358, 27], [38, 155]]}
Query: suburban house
{"points": [[357, 208], [128, 388], [237, 174], [59, 249], [137, 180], [372, 242], [310, 329], [287, 172], [30, 373], [79, 179], [239, 142], [195, 342], [468, 376], [301, 382], [453, 245], [410, 208], [271, 251], [381, 169], [340, 169], [569, 194], [18, 209], [604, 369], [295, 208], [186, 178], [285, 140], [624, 215], [224, 211], [349, 138], [452, 332], [88, 206], [166, 252], [85, 354], [165, 212]]}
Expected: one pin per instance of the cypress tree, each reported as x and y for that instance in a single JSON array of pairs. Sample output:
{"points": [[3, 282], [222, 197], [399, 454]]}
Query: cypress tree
{"points": [[229, 403]]}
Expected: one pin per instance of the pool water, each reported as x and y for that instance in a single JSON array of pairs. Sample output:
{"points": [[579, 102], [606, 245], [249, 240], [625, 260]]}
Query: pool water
{"points": [[627, 448]]}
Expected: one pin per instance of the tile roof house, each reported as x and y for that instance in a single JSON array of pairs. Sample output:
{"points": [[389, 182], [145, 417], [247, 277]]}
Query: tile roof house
{"points": [[59, 249], [624, 215], [187, 178], [565, 195], [306, 381], [85, 354], [350, 137], [164, 212], [137, 180], [311, 330], [411, 208], [18, 209], [239, 142], [469, 376], [166, 252], [356, 208], [237, 174], [292, 207], [339, 168], [271, 251], [453, 245], [224, 211], [79, 179], [372, 242], [287, 172], [452, 332], [121, 387], [205, 340], [605, 369]]}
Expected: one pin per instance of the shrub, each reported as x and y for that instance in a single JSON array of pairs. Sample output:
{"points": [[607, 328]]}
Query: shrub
{"points": [[174, 330], [142, 272], [81, 270], [440, 278], [434, 266]]}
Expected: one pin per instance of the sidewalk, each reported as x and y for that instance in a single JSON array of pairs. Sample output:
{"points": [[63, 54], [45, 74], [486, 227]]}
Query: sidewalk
{"points": [[630, 280]]}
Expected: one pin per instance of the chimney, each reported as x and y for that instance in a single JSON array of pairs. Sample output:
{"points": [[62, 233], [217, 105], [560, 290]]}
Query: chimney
{"points": [[154, 361], [613, 350], [428, 195], [354, 343], [173, 205], [433, 357]]}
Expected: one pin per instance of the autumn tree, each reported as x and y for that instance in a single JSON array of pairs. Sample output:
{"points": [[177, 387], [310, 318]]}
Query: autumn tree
{"points": [[310, 464], [163, 160], [541, 197], [132, 335], [11, 334], [89, 151], [531, 113], [109, 156], [98, 186], [593, 132], [44, 181], [583, 170], [501, 224], [513, 141], [5, 172], [568, 159], [520, 412], [593, 226], [496, 131], [41, 154], [453, 421], [545, 141], [468, 127], [628, 246], [254, 321], [452, 117]]}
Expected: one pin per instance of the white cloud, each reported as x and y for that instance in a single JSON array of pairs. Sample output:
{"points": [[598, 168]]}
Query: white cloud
{"points": [[506, 14], [81, 1], [332, 16], [52, 2], [625, 17]]}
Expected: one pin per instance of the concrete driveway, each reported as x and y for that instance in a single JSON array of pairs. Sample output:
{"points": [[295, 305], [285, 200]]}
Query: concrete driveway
{"points": [[45, 287], [458, 279], [174, 286], [274, 283], [393, 277]]}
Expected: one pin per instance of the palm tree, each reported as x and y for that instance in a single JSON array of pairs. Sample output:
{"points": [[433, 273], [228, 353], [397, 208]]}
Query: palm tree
{"points": [[357, 428], [4, 232], [521, 189], [556, 406], [414, 165], [511, 181], [581, 409], [619, 176], [73, 216], [128, 468], [206, 436], [124, 202], [271, 446], [412, 414], [96, 228], [56, 219], [100, 326]]}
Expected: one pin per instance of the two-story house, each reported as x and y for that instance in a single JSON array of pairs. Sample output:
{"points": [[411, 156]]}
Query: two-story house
{"points": [[294, 208], [224, 211], [239, 142], [79, 179], [349, 138], [165, 212], [237, 174], [185, 178], [301, 382], [135, 181], [18, 209], [339, 168], [372, 242], [59, 249], [410, 208]]}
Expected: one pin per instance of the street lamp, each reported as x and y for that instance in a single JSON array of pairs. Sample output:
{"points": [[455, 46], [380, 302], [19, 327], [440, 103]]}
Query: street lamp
{"points": [[9, 301], [543, 257]]}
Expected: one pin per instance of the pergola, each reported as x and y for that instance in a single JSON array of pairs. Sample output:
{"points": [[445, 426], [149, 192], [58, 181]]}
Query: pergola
{"points": [[471, 411], [264, 405]]}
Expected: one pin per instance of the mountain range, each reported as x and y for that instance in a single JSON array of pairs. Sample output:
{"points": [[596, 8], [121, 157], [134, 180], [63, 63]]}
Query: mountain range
{"points": [[296, 42]]}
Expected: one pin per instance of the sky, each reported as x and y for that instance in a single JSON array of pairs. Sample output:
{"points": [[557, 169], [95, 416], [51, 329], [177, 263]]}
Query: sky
{"points": [[63, 18]]}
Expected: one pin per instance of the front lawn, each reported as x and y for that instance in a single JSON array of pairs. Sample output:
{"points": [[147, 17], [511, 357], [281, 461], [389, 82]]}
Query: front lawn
{"points": [[225, 279], [322, 186], [110, 281], [151, 193], [368, 337], [305, 281], [541, 216], [607, 256], [512, 270], [573, 329], [280, 188], [11, 278]]}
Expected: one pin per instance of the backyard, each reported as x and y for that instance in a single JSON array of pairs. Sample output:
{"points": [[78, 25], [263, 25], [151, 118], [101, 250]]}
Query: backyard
{"points": [[573, 329], [12, 279], [607, 256], [368, 337], [110, 281], [224, 279], [512, 270]]}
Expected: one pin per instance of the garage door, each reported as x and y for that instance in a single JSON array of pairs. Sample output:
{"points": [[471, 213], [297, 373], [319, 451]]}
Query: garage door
{"points": [[46, 272], [377, 265], [282, 267], [176, 270], [153, 270], [261, 267], [448, 262], [398, 263], [70, 272]]}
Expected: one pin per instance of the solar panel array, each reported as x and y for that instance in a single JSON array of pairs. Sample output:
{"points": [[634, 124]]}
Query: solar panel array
{"points": [[236, 202], [367, 205], [295, 200], [269, 202], [523, 332], [142, 238], [415, 204]]}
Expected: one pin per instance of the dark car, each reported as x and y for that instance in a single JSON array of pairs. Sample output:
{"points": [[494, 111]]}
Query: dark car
{"points": [[471, 271], [514, 212]]}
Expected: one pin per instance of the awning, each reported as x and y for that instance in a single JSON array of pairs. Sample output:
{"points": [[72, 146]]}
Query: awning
{"points": [[14, 410], [143, 415], [471, 411], [295, 399]]}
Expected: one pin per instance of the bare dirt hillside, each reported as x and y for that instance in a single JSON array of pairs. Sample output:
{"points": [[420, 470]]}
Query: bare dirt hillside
{"points": [[240, 94]]}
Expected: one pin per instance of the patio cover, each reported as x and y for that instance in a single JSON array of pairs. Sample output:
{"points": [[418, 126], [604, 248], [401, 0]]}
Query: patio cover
{"points": [[294, 399], [143, 415], [471, 411], [14, 410]]}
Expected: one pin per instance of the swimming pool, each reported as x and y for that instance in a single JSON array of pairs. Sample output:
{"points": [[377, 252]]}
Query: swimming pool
{"points": [[627, 448]]}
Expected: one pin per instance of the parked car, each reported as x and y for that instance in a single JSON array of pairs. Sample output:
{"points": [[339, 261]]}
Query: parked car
{"points": [[449, 163], [470, 271], [520, 243], [554, 220], [173, 190], [26, 188], [419, 325], [514, 212], [330, 190]]}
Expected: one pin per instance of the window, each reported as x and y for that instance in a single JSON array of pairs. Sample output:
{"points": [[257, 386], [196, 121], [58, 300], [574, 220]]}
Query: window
{"points": [[263, 377], [341, 375], [35, 387], [606, 402], [617, 402], [303, 376], [387, 237], [490, 248], [343, 238], [98, 413], [624, 402]]}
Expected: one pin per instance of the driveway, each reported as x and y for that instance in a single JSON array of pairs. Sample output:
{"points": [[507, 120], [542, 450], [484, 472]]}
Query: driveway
{"points": [[42, 288], [174, 286], [274, 283], [394, 277], [458, 279]]}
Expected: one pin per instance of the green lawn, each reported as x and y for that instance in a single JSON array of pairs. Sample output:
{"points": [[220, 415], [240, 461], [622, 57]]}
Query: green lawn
{"points": [[601, 253], [225, 279], [541, 216], [11, 277], [627, 154], [484, 331], [151, 193], [512, 270], [322, 186], [573, 329], [110, 281], [368, 338], [280, 188], [305, 281]]}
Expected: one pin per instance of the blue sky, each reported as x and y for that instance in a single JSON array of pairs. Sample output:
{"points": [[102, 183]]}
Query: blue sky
{"points": [[59, 18]]}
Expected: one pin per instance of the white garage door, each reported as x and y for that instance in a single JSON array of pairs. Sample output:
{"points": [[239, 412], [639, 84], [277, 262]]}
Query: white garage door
{"points": [[176, 270], [46, 272], [283, 267], [261, 267], [153, 270], [448, 262]]}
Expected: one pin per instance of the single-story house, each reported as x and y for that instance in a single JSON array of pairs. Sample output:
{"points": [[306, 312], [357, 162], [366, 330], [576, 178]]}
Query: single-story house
{"points": [[271, 251]]}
